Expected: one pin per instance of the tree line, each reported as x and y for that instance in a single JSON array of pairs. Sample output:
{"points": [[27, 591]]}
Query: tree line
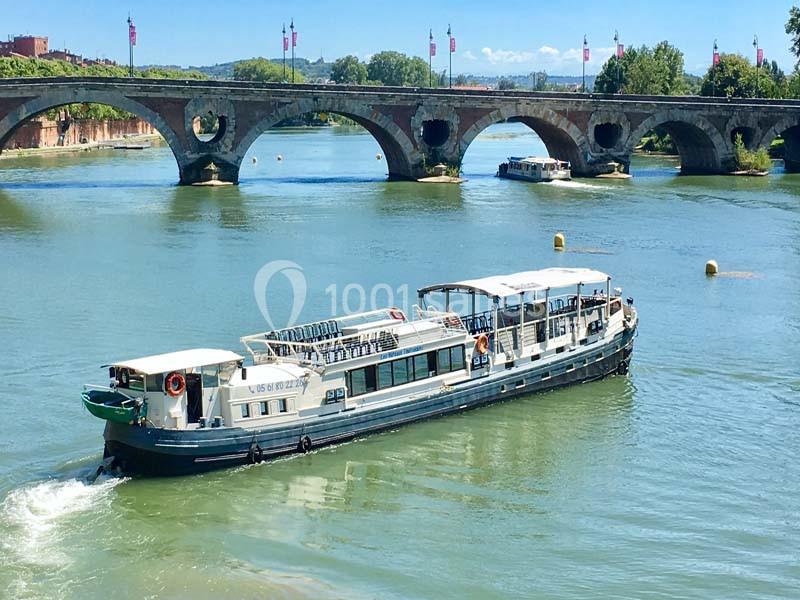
{"points": [[34, 67]]}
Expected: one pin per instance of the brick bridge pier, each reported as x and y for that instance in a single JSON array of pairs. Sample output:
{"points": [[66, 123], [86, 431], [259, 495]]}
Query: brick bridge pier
{"points": [[418, 127]]}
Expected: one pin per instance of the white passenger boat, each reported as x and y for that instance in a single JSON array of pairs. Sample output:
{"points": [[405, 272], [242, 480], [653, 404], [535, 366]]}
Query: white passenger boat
{"points": [[534, 168], [470, 343]]}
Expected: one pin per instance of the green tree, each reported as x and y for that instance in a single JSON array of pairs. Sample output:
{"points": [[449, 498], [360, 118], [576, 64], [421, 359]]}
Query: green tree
{"points": [[793, 29], [350, 70], [657, 71], [263, 71], [506, 83], [418, 73], [735, 76], [388, 67]]}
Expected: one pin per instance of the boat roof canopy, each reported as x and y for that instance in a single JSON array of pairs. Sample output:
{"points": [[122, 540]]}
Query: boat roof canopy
{"points": [[176, 361], [503, 286]]}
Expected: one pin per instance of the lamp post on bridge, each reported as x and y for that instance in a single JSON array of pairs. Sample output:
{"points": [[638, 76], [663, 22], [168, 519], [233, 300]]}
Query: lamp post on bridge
{"points": [[285, 48], [431, 54], [714, 63], [131, 43], [759, 59], [584, 61], [620, 49], [294, 43], [452, 49]]}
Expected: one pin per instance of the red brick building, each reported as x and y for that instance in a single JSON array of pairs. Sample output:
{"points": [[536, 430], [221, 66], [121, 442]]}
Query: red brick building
{"points": [[25, 45]]}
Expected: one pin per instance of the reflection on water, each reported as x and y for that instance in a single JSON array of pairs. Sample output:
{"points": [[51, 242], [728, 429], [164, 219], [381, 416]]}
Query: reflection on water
{"points": [[16, 216], [224, 205]]}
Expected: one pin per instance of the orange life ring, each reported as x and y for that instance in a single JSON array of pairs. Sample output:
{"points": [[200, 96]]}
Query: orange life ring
{"points": [[397, 314], [482, 344], [175, 384]]}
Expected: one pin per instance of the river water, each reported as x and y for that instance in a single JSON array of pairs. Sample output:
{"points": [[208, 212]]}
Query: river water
{"points": [[680, 480]]}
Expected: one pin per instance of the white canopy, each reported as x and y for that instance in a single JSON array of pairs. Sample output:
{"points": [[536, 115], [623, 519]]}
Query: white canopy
{"points": [[176, 361], [502, 286]]}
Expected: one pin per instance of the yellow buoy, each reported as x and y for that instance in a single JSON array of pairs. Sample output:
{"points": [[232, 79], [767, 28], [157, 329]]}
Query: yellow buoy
{"points": [[378, 156], [559, 241], [712, 268]]}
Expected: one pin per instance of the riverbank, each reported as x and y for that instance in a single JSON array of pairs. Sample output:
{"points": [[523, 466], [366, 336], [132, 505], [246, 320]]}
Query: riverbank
{"points": [[131, 140]]}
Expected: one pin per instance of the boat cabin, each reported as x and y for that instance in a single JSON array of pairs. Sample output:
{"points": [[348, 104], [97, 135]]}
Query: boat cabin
{"points": [[180, 389], [535, 168]]}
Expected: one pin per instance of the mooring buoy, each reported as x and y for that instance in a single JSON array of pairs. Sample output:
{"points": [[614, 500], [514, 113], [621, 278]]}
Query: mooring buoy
{"points": [[279, 157], [712, 268], [559, 241]]}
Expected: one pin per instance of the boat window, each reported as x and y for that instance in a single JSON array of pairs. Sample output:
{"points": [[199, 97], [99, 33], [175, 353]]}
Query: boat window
{"points": [[130, 379], [384, 375], [263, 408], [245, 410], [444, 361], [400, 371], [155, 383], [226, 371], [420, 366], [282, 405], [211, 376], [457, 358], [362, 381]]}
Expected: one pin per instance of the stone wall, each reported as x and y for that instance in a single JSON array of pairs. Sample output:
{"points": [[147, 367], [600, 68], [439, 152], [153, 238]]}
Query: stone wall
{"points": [[44, 133]]}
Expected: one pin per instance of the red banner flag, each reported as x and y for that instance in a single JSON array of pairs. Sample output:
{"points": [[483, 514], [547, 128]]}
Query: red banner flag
{"points": [[716, 58], [759, 56], [585, 55], [285, 43], [620, 50], [132, 34], [452, 44], [294, 39], [433, 48]]}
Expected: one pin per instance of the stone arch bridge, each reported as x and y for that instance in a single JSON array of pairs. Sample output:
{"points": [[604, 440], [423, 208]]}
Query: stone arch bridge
{"points": [[418, 127]]}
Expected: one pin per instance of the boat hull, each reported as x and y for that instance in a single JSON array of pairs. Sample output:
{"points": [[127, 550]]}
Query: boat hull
{"points": [[516, 177], [153, 451]]}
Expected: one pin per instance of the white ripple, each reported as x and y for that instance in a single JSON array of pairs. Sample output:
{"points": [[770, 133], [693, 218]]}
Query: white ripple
{"points": [[33, 517]]}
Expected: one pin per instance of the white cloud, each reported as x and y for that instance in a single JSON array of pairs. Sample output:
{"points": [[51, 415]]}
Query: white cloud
{"points": [[549, 51], [469, 55], [507, 56]]}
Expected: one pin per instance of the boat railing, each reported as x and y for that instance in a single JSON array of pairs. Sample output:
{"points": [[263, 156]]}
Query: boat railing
{"points": [[266, 348]]}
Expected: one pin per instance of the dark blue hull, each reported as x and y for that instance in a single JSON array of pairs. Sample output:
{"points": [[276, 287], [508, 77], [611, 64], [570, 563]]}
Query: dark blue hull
{"points": [[151, 451]]}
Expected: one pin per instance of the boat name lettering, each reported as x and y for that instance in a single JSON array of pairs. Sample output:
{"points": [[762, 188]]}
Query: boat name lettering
{"points": [[277, 386], [396, 353]]}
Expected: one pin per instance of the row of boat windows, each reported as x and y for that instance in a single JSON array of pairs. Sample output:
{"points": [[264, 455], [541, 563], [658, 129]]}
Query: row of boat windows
{"points": [[262, 408], [405, 370]]}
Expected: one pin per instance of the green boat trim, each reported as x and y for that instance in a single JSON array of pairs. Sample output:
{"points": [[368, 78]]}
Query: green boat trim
{"points": [[113, 406]]}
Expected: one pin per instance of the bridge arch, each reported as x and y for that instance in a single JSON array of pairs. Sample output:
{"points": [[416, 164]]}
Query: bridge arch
{"points": [[46, 101], [701, 146], [562, 138], [789, 129], [403, 160]]}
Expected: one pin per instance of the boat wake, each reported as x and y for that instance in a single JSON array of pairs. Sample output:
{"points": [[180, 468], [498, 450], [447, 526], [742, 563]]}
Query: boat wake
{"points": [[35, 518], [579, 185]]}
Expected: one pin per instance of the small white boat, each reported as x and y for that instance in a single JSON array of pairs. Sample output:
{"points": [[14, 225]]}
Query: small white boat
{"points": [[470, 343], [535, 168]]}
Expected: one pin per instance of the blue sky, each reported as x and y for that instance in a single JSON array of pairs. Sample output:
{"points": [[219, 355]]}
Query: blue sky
{"points": [[493, 37]]}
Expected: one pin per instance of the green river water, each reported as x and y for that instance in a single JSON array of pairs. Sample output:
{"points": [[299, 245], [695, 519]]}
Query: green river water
{"points": [[678, 481]]}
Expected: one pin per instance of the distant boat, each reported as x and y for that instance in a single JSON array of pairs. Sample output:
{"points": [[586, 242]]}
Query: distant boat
{"points": [[132, 146], [534, 168]]}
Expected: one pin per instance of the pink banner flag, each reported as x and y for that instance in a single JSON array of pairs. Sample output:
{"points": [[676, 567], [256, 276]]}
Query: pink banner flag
{"points": [[620, 50], [294, 39], [716, 58], [433, 48], [452, 44], [585, 55], [132, 34], [760, 56], [285, 43]]}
